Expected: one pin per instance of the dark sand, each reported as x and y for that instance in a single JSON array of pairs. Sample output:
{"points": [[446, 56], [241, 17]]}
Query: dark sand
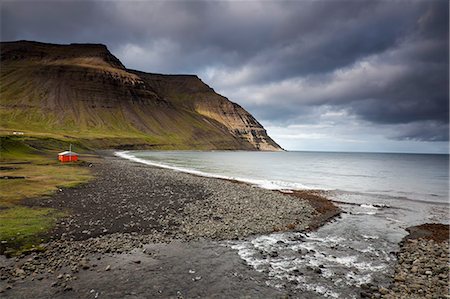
{"points": [[175, 270]]}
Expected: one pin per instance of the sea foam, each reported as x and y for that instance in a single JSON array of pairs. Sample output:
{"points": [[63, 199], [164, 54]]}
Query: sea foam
{"points": [[283, 186]]}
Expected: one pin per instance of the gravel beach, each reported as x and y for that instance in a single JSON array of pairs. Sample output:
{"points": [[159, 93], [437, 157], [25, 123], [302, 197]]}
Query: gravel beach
{"points": [[117, 220], [422, 269]]}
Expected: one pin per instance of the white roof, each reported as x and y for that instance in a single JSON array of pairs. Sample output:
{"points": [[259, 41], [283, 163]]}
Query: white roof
{"points": [[68, 153]]}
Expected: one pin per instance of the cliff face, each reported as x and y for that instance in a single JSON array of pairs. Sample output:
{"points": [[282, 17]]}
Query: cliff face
{"points": [[82, 91], [191, 93]]}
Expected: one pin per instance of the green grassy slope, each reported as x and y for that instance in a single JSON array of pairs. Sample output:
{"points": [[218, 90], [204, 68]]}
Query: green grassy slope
{"points": [[83, 92]]}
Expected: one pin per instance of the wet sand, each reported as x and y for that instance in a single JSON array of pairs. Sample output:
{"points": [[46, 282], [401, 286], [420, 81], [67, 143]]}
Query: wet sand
{"points": [[199, 269], [182, 221]]}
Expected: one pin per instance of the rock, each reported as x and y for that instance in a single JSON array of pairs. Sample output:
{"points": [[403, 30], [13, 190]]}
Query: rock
{"points": [[418, 271], [383, 290], [84, 264], [19, 272], [67, 288], [108, 268]]}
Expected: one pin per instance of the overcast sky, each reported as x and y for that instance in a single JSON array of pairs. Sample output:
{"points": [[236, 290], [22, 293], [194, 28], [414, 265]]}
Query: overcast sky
{"points": [[319, 75]]}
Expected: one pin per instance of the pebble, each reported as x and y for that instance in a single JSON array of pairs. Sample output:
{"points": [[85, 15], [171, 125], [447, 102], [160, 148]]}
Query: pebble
{"points": [[414, 277], [84, 264]]}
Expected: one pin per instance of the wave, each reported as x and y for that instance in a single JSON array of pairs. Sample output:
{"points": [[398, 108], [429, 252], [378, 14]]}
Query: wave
{"points": [[385, 196], [286, 186], [283, 186], [369, 206]]}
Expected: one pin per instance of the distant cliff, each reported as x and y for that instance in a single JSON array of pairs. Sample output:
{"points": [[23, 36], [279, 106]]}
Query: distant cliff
{"points": [[82, 91]]}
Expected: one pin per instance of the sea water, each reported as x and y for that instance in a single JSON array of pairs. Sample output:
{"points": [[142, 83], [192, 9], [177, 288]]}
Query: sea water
{"points": [[380, 194]]}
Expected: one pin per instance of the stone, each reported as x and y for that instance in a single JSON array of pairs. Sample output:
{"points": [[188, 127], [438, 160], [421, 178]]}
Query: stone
{"points": [[273, 254], [383, 290], [84, 264], [19, 272]]}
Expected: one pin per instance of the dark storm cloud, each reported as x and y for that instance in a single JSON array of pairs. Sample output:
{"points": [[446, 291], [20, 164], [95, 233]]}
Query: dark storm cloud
{"points": [[421, 131], [385, 62]]}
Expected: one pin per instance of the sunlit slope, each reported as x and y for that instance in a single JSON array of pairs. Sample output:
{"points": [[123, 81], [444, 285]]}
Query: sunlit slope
{"points": [[83, 92]]}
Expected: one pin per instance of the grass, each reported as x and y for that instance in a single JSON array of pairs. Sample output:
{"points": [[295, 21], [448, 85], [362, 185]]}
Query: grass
{"points": [[22, 229], [33, 164], [40, 179]]}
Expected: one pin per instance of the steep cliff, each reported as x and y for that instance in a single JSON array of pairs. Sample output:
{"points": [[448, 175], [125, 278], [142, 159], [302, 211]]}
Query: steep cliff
{"points": [[82, 91]]}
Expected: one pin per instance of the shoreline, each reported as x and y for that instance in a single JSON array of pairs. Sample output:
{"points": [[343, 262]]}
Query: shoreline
{"points": [[326, 208], [128, 207]]}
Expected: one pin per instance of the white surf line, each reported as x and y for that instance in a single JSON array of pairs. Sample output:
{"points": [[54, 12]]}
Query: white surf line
{"points": [[127, 156], [264, 184]]}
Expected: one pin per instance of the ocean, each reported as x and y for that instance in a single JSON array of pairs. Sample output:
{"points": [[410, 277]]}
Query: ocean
{"points": [[380, 194]]}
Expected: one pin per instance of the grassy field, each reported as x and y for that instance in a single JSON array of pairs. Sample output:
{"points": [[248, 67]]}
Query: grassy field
{"points": [[29, 168]]}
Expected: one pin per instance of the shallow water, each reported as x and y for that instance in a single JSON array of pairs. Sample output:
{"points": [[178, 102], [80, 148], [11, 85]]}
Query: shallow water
{"points": [[336, 259], [380, 194]]}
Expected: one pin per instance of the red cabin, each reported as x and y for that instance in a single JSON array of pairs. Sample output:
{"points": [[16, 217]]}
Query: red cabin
{"points": [[68, 156]]}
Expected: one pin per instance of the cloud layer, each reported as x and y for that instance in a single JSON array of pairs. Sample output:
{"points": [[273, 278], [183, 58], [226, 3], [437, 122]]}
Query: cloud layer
{"points": [[367, 68]]}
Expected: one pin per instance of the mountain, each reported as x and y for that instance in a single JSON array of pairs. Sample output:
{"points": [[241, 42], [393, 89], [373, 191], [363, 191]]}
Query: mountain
{"points": [[82, 91]]}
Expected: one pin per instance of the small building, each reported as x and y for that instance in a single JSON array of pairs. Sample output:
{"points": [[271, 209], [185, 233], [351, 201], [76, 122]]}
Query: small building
{"points": [[68, 156]]}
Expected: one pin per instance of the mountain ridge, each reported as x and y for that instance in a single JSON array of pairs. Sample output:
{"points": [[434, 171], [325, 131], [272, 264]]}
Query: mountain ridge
{"points": [[83, 91]]}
